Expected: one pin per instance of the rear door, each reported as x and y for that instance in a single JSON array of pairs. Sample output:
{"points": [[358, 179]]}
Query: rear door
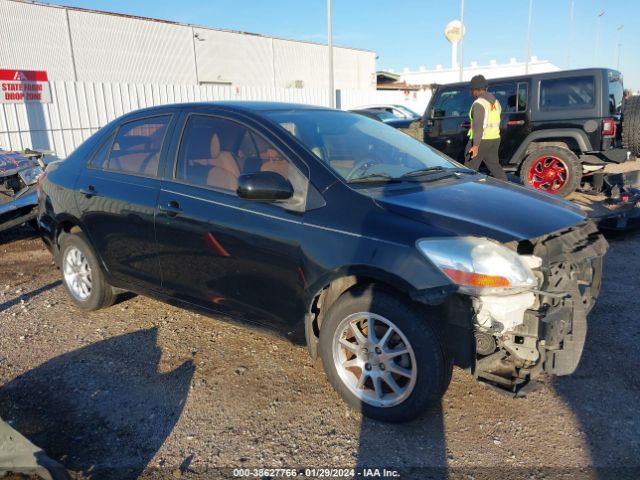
{"points": [[514, 121], [218, 250], [116, 194], [447, 123]]}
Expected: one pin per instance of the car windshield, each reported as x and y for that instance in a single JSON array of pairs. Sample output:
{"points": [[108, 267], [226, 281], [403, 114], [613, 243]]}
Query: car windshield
{"points": [[355, 146]]}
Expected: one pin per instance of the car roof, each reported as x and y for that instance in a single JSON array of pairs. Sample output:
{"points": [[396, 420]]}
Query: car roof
{"points": [[239, 105], [555, 74]]}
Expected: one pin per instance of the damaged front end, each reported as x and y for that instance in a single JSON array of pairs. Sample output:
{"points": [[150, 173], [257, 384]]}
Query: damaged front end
{"points": [[543, 328]]}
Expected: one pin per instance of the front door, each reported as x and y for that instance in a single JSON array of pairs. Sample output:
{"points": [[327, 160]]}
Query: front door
{"points": [[216, 249], [117, 194], [447, 124]]}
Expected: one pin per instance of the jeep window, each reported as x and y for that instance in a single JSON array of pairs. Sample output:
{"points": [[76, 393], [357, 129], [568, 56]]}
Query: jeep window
{"points": [[523, 94], [453, 102], [137, 146], [506, 94], [572, 92], [616, 93], [346, 141]]}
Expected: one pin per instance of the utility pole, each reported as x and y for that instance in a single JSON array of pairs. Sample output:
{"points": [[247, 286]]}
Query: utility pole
{"points": [[597, 50], [462, 40], [332, 92], [526, 62]]}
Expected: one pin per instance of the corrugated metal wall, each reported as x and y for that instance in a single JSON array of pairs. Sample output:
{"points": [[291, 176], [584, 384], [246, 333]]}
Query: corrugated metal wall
{"points": [[121, 49], [72, 44], [233, 57], [35, 37]]}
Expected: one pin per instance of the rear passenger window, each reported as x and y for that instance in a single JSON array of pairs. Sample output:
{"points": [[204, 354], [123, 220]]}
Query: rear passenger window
{"points": [[215, 152], [573, 92], [453, 103], [137, 145], [100, 157]]}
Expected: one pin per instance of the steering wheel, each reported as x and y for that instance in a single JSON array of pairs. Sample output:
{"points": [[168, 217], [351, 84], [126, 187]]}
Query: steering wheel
{"points": [[363, 164]]}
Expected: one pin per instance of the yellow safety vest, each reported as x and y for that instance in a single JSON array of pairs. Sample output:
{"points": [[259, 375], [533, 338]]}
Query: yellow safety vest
{"points": [[491, 125]]}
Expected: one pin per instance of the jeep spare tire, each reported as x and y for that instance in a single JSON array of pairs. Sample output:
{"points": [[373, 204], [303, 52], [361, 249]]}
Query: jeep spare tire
{"points": [[554, 170], [631, 125]]}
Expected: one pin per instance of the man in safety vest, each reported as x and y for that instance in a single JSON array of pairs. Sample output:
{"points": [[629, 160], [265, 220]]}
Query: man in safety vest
{"points": [[484, 134]]}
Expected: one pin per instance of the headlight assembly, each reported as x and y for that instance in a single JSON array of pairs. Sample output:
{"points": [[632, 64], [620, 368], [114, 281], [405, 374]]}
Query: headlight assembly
{"points": [[479, 266]]}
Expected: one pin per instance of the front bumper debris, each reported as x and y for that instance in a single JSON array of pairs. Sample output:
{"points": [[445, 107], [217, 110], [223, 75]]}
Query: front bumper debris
{"points": [[549, 335]]}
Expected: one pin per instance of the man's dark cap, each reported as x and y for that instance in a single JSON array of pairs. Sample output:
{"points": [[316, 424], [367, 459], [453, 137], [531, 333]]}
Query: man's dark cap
{"points": [[479, 82]]}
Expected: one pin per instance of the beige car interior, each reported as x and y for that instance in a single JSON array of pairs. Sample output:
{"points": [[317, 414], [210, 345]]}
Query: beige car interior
{"points": [[140, 157], [224, 171]]}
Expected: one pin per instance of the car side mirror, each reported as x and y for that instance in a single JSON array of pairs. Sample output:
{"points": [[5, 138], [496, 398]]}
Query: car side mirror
{"points": [[264, 186]]}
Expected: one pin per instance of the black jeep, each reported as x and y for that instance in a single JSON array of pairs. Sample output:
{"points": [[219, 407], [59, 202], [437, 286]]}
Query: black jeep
{"points": [[557, 128]]}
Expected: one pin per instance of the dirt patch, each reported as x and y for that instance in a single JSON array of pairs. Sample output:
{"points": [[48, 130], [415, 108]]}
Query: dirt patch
{"points": [[144, 389]]}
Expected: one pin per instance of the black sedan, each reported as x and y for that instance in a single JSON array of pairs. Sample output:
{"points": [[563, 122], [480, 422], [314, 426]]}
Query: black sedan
{"points": [[386, 258]]}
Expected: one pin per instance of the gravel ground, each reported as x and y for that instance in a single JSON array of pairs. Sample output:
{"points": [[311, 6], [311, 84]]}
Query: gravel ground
{"points": [[147, 390]]}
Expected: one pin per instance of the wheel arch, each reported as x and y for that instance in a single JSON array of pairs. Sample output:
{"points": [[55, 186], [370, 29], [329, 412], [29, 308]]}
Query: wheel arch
{"points": [[64, 224], [326, 291], [574, 140]]}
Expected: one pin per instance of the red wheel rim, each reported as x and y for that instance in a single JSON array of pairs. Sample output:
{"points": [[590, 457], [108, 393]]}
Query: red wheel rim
{"points": [[548, 173]]}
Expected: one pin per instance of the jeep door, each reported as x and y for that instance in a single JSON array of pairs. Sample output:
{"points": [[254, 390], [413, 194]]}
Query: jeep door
{"points": [[216, 249], [514, 121], [116, 193], [447, 123]]}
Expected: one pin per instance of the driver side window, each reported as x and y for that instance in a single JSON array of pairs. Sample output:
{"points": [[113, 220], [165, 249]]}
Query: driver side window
{"points": [[214, 152]]}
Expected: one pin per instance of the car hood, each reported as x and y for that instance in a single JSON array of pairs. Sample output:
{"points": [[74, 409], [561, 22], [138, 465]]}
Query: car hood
{"points": [[482, 206]]}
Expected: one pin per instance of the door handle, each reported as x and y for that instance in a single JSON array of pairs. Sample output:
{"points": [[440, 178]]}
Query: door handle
{"points": [[89, 192], [171, 209]]}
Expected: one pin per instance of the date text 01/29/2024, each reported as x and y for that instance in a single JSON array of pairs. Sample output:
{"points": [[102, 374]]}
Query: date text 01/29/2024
{"points": [[316, 473]]}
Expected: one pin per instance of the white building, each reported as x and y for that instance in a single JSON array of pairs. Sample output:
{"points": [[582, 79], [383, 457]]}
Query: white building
{"points": [[91, 46], [441, 75]]}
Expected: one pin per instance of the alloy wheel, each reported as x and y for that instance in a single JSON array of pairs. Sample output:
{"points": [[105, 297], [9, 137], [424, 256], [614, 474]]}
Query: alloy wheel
{"points": [[374, 359], [77, 273], [549, 174]]}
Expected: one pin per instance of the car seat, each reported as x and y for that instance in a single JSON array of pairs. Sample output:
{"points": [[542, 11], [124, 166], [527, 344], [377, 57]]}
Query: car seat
{"points": [[224, 173]]}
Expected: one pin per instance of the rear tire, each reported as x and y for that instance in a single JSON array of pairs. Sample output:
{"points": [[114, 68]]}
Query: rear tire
{"points": [[81, 274], [631, 125], [409, 382], [555, 170]]}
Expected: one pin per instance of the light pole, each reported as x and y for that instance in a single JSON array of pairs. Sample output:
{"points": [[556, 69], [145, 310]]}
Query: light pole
{"points": [[595, 54], [461, 39], [332, 93], [526, 62], [619, 29], [571, 5]]}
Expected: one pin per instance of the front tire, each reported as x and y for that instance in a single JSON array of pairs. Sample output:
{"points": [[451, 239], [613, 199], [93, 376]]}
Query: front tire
{"points": [[81, 274], [382, 356], [554, 170]]}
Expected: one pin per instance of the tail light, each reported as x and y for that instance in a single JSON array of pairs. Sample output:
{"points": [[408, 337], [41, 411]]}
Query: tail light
{"points": [[609, 126]]}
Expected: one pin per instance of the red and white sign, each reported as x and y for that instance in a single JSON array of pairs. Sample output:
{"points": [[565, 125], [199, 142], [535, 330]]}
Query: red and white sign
{"points": [[20, 86]]}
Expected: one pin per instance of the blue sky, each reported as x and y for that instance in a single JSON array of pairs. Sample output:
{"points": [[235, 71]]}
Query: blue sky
{"points": [[410, 33]]}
